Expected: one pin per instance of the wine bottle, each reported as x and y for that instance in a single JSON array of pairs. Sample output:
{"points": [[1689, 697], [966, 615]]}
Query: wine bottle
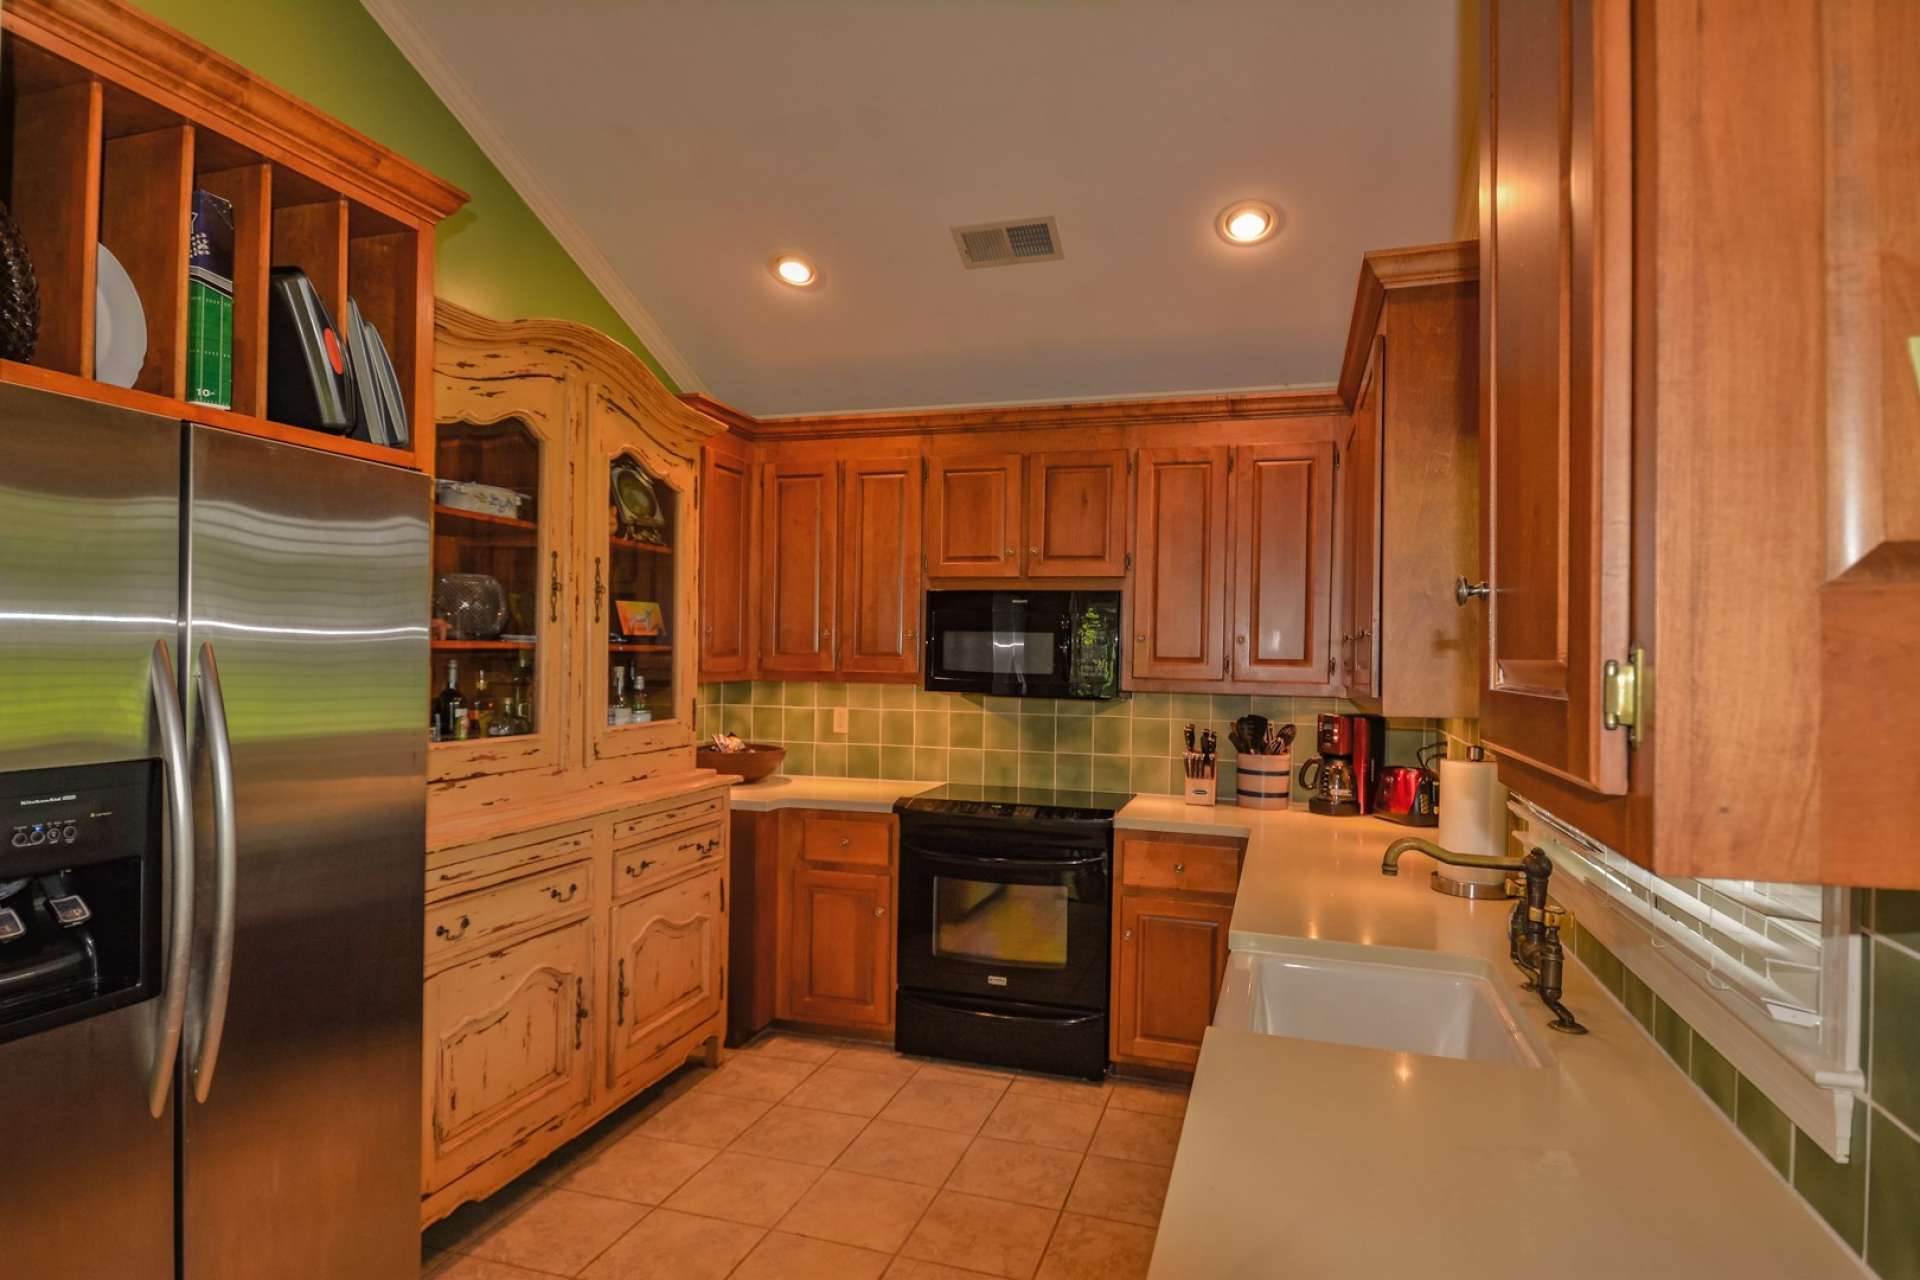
{"points": [[486, 719], [617, 710], [449, 708]]}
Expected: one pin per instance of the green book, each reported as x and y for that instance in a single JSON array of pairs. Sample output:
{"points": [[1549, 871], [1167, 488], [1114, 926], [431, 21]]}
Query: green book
{"points": [[210, 302]]}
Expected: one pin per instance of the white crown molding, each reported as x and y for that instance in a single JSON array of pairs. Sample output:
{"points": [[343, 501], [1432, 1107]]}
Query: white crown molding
{"points": [[417, 49]]}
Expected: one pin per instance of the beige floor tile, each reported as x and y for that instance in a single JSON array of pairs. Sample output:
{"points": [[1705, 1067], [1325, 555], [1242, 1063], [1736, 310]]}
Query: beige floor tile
{"points": [[455, 1232], [1135, 1135], [749, 1189], [785, 1044], [636, 1167], [453, 1266], [559, 1232], [1121, 1190], [757, 1076], [704, 1119], [1087, 1093], [843, 1089], [904, 1152], [1155, 1100], [676, 1246], [957, 1108], [978, 1077], [876, 1058], [852, 1208], [1045, 1122], [800, 1134], [1094, 1249], [914, 1269], [993, 1236], [1016, 1171], [788, 1257]]}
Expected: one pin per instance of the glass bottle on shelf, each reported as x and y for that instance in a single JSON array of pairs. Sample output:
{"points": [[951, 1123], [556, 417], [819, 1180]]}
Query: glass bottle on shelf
{"points": [[617, 710], [449, 708], [637, 711], [522, 716], [486, 719]]}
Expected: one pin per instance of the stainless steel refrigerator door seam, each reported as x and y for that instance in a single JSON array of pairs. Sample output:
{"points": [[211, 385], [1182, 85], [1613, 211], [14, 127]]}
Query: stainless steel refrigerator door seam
{"points": [[213, 712], [173, 991]]}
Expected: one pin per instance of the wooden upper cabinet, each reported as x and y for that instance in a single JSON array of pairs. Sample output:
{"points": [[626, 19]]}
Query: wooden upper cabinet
{"points": [[1283, 564], [1077, 514], [799, 557], [726, 559], [1180, 565], [973, 516], [1556, 279], [880, 567], [1360, 629]]}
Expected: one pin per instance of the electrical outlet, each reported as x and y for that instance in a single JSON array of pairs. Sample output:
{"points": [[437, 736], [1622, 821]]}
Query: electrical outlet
{"points": [[839, 719]]}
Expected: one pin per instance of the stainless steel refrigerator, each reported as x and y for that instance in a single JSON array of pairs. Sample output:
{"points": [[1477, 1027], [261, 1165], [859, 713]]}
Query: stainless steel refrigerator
{"points": [[213, 666]]}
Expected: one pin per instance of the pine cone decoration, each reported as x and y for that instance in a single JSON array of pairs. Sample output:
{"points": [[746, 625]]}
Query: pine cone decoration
{"points": [[19, 294]]}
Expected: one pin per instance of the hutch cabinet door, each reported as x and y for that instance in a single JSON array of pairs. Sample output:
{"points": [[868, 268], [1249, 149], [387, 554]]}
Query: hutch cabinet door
{"points": [[799, 535], [840, 948], [501, 576], [1172, 959], [1360, 486], [1556, 320], [1283, 565], [880, 567], [1077, 514], [726, 566], [667, 951], [1180, 565], [508, 1049], [973, 516]]}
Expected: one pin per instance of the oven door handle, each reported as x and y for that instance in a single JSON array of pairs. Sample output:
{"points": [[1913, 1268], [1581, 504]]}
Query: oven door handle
{"points": [[987, 861]]}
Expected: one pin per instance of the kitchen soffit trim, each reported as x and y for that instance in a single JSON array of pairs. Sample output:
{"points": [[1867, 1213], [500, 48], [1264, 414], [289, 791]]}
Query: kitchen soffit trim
{"points": [[1383, 271], [418, 50]]}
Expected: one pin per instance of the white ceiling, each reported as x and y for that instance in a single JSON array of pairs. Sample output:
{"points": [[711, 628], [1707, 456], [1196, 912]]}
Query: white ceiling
{"points": [[676, 145]]}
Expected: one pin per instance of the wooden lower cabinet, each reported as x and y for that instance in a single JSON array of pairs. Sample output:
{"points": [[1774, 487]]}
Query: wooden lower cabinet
{"points": [[669, 955], [840, 949], [508, 1053], [1170, 921]]}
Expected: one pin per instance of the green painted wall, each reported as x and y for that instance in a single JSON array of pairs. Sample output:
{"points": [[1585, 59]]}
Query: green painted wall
{"points": [[494, 256]]}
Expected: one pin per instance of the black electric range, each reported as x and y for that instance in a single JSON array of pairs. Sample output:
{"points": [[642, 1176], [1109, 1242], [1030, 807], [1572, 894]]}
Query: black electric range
{"points": [[1005, 920]]}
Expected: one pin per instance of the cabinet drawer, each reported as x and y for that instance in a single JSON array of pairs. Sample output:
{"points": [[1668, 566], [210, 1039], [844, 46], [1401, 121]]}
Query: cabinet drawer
{"points": [[469, 873], [832, 838], [472, 921], [645, 865], [1168, 864], [665, 819]]}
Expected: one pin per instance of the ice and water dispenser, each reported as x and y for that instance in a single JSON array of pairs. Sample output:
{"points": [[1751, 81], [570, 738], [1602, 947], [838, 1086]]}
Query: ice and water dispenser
{"points": [[79, 892]]}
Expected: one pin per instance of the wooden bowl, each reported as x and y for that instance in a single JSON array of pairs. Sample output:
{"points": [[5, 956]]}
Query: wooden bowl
{"points": [[758, 761]]}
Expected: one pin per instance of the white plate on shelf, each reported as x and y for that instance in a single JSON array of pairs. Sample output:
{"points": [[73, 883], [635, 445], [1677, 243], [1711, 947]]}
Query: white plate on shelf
{"points": [[119, 323]]}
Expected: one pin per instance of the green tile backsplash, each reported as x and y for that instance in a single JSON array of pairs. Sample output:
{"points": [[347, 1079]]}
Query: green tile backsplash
{"points": [[1870, 1202], [901, 732]]}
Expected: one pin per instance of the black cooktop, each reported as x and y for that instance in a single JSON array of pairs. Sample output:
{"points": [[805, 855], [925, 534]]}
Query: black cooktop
{"points": [[1016, 803]]}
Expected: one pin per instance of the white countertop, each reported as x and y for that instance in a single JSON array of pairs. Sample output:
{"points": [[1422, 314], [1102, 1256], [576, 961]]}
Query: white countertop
{"points": [[1307, 1159], [857, 795]]}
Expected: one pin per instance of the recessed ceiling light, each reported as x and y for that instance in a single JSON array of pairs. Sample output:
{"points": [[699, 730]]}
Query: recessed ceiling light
{"points": [[1247, 222], [796, 271]]}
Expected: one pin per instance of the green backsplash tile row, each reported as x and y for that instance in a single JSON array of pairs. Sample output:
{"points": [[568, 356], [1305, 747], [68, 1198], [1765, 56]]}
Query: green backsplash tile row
{"points": [[1126, 744], [1765, 1125], [1838, 1192], [1893, 1078], [1893, 1187]]}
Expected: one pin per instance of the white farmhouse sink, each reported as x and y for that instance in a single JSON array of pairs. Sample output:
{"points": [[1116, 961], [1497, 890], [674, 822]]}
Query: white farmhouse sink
{"points": [[1443, 1006]]}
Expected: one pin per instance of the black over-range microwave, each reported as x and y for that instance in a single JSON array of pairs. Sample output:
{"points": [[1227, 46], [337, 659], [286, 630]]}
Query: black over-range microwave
{"points": [[1034, 644]]}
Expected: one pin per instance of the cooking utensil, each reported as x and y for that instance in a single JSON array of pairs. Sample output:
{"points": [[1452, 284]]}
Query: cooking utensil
{"points": [[474, 605]]}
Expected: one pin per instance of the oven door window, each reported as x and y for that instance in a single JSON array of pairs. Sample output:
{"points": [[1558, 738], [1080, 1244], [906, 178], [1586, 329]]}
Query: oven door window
{"points": [[1009, 653], [1023, 925]]}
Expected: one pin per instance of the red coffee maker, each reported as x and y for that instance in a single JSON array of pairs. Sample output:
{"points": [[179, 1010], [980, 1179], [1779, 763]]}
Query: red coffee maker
{"points": [[1343, 776]]}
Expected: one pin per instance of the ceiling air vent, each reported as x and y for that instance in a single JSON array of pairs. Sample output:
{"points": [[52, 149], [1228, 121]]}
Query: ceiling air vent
{"points": [[1006, 244]]}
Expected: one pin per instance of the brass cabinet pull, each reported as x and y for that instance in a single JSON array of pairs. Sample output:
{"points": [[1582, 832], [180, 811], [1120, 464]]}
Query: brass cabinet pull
{"points": [[1179, 868], [1464, 591], [620, 1011], [1006, 552], [598, 589], [579, 1008], [553, 891], [553, 588], [443, 932], [1127, 936], [637, 871], [879, 911]]}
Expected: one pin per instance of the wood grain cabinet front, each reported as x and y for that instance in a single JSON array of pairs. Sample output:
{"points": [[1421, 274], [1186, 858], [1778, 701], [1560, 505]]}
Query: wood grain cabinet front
{"points": [[1076, 514], [1179, 598], [880, 567], [1283, 566], [726, 566], [840, 948], [799, 564], [1171, 914], [668, 953], [509, 1050], [973, 515]]}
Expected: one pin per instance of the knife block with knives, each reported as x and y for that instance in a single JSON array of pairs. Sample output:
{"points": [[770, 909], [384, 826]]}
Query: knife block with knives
{"points": [[1202, 768]]}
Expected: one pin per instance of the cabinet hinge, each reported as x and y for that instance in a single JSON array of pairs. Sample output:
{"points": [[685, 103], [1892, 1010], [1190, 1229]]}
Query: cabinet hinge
{"points": [[1336, 457], [1129, 562], [1129, 464], [923, 468], [1230, 456], [1331, 668], [1226, 664], [1623, 694]]}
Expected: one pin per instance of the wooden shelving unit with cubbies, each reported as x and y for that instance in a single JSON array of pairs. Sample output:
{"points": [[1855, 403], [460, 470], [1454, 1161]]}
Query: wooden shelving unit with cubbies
{"points": [[111, 121]]}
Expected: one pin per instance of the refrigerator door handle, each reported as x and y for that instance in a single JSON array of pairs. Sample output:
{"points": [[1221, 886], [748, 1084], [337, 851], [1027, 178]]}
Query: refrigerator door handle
{"points": [[206, 1036], [173, 992]]}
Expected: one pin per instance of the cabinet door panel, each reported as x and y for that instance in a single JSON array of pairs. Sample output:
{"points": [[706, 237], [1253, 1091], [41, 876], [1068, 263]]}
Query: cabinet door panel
{"points": [[667, 950], [1283, 558], [1556, 254], [1180, 565], [1173, 956], [507, 1053], [1361, 477], [1077, 514], [973, 516], [880, 569], [840, 951], [726, 556], [799, 527]]}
